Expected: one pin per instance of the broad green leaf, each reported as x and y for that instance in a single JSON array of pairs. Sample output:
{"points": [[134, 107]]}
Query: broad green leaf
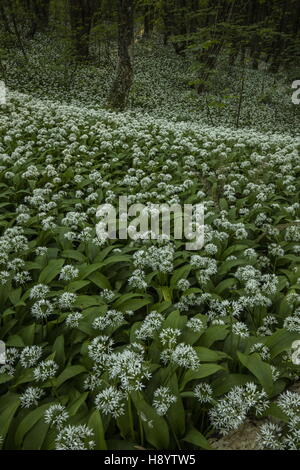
{"points": [[28, 422], [11, 404], [68, 373], [180, 273], [34, 439], [197, 439], [175, 320], [59, 349], [52, 269], [226, 382], [260, 369], [209, 355], [204, 370], [74, 407], [213, 334], [100, 280], [95, 422], [155, 427], [281, 341]]}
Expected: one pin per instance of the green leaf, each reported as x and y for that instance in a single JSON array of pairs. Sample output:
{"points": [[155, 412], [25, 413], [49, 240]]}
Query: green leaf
{"points": [[85, 301], [213, 334], [226, 266], [100, 280], [28, 422], [134, 304], [59, 349], [223, 285], [209, 355], [87, 270], [27, 334], [260, 369], [175, 320], [68, 373], [204, 370], [24, 377], [197, 439], [36, 436], [11, 404], [77, 285], [52, 269], [155, 427], [95, 422], [15, 341], [222, 385], [74, 407], [276, 412], [281, 341], [74, 254], [180, 273]]}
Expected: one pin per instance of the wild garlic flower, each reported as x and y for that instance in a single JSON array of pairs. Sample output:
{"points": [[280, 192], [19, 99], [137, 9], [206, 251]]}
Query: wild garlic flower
{"points": [[12, 355], [31, 397], [203, 393], [150, 325], [162, 400], [22, 277], [45, 370], [93, 381], [72, 319], [270, 436], [56, 415], [107, 295], [240, 329], [266, 329], [137, 279], [66, 300], [206, 267], [262, 350], [157, 258], [169, 336], [289, 402], [41, 250], [75, 438], [292, 323], [231, 411], [68, 272], [185, 356], [100, 349], [195, 324], [111, 318], [39, 291], [130, 369], [111, 401], [30, 355], [42, 309], [183, 284]]}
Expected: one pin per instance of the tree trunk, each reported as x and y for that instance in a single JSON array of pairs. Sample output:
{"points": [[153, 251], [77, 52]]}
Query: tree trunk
{"points": [[81, 15], [148, 21], [279, 43], [119, 93]]}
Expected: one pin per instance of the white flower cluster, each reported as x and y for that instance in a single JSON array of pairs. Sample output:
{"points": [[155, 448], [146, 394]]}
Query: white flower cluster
{"points": [[162, 400], [279, 436], [232, 410], [75, 438]]}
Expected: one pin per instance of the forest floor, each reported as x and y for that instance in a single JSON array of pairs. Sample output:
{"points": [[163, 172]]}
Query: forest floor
{"points": [[211, 330], [162, 86]]}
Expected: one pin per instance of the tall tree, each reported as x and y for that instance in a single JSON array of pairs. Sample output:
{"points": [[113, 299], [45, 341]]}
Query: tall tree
{"points": [[119, 93], [81, 16]]}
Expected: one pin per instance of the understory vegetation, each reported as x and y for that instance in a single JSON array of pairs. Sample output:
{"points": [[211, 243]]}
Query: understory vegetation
{"points": [[143, 344]]}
